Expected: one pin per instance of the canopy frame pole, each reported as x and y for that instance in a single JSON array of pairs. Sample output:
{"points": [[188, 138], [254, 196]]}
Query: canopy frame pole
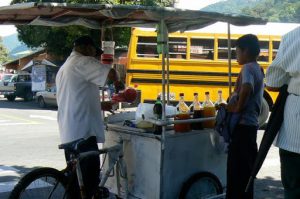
{"points": [[229, 58], [165, 35], [165, 53], [168, 71]]}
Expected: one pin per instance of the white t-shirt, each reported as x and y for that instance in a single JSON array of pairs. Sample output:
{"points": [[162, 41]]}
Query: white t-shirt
{"points": [[78, 99]]}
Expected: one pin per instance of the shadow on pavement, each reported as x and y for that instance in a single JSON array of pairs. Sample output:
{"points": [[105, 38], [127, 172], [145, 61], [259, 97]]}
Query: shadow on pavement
{"points": [[268, 188], [21, 104], [14, 175]]}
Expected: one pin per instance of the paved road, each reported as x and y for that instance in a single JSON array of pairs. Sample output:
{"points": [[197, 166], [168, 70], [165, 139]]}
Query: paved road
{"points": [[29, 138]]}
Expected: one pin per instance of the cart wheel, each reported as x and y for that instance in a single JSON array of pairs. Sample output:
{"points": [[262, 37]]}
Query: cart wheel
{"points": [[200, 186]]}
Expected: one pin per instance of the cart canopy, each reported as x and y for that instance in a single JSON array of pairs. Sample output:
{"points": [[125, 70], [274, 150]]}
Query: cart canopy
{"points": [[97, 16]]}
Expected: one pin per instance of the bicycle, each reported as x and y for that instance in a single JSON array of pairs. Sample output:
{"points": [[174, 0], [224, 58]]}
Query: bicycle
{"points": [[49, 183]]}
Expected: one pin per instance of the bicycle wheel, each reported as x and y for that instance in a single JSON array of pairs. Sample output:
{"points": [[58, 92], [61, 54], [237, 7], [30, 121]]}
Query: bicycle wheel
{"points": [[200, 186], [42, 183]]}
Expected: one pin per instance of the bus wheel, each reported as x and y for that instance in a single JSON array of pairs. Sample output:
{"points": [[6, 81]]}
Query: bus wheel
{"points": [[264, 113]]}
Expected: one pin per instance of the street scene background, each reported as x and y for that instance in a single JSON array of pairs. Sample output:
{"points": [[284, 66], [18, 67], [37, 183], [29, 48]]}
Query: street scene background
{"points": [[29, 139]]}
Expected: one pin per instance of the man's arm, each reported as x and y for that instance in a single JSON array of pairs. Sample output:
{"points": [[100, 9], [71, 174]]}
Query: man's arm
{"points": [[244, 94], [113, 78]]}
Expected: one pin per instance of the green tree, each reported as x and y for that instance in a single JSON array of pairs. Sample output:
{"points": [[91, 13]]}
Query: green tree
{"points": [[3, 53], [273, 10], [276, 10], [59, 40]]}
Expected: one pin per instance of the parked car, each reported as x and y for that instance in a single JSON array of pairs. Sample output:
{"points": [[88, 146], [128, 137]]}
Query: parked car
{"points": [[16, 85], [6, 77], [7, 86], [47, 98]]}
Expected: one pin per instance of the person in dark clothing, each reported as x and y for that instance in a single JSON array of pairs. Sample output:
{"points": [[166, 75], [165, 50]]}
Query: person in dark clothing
{"points": [[246, 100]]}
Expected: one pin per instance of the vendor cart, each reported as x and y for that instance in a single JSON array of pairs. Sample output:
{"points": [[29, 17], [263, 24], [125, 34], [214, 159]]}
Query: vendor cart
{"points": [[189, 162]]}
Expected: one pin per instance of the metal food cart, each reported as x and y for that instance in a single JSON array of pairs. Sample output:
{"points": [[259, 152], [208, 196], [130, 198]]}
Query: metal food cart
{"points": [[153, 172], [158, 165]]}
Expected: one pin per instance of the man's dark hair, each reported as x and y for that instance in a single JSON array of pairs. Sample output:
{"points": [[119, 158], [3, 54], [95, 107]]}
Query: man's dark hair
{"points": [[87, 40], [84, 41], [249, 42]]}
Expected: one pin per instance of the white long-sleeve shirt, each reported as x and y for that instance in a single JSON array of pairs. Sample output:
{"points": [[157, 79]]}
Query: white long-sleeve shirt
{"points": [[285, 69], [78, 99]]}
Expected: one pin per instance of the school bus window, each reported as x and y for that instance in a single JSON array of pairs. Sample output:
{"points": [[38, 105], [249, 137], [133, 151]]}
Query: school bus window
{"points": [[177, 48], [275, 48], [202, 49], [223, 49], [264, 51], [146, 47]]}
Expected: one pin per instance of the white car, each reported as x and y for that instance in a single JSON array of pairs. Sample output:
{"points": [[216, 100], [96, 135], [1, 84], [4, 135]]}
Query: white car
{"points": [[47, 98]]}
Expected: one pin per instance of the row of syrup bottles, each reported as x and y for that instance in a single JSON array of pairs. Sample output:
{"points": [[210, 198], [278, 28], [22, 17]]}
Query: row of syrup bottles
{"points": [[206, 109], [182, 107]]}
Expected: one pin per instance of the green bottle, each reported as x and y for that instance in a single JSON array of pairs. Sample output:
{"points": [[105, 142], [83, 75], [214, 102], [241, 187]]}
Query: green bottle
{"points": [[157, 110]]}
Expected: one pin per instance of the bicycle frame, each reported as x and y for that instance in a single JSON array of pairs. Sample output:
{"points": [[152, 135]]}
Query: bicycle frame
{"points": [[115, 154]]}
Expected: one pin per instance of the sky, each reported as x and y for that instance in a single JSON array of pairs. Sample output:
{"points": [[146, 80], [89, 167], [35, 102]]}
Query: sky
{"points": [[4, 29]]}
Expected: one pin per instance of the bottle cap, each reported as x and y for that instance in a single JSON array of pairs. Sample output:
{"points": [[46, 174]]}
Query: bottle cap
{"points": [[195, 94], [207, 93], [219, 91], [181, 94]]}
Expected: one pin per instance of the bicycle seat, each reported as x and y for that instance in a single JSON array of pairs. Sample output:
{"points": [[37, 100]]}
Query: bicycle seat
{"points": [[71, 145]]}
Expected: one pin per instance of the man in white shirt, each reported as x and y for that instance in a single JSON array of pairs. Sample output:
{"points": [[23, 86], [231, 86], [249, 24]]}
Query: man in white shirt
{"points": [[79, 108], [285, 69]]}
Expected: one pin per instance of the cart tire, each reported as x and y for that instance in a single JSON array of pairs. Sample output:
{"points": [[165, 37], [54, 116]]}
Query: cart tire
{"points": [[201, 185]]}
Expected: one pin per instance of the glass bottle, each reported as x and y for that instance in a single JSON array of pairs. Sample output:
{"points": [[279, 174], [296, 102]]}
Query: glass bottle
{"points": [[195, 106], [209, 110], [197, 110], [220, 99], [157, 111], [207, 102], [181, 106]]}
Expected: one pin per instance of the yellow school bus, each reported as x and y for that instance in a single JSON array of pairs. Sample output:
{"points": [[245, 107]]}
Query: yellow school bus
{"points": [[198, 59]]}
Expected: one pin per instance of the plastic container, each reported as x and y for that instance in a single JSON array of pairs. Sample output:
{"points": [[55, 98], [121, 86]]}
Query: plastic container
{"points": [[108, 52], [144, 112]]}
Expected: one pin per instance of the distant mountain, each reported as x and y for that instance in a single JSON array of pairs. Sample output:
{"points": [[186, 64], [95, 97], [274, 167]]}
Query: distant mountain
{"points": [[15, 47], [231, 6]]}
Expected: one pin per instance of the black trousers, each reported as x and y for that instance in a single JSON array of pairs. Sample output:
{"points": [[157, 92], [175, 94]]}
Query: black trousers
{"points": [[290, 173], [90, 168], [241, 156]]}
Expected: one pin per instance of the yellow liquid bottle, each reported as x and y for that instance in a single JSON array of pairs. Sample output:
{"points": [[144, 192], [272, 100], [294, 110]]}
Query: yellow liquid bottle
{"points": [[220, 99], [181, 106], [209, 110]]}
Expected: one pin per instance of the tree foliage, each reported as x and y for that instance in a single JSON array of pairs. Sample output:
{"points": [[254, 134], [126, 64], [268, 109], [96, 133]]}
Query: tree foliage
{"points": [[273, 10], [3, 53], [59, 40], [276, 11]]}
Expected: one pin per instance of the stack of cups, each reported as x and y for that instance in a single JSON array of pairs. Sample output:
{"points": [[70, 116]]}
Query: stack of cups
{"points": [[108, 52]]}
